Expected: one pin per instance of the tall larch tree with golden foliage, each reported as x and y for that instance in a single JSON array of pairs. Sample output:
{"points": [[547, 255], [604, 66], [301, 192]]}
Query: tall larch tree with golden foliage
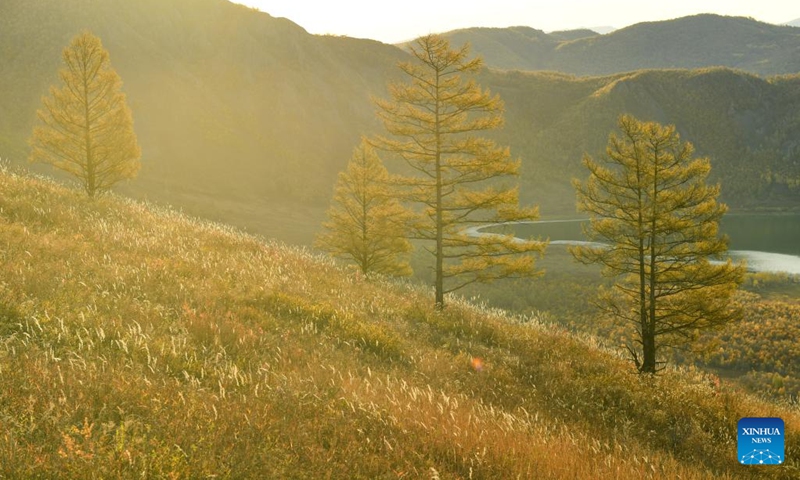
{"points": [[650, 204], [85, 126], [432, 122], [366, 224]]}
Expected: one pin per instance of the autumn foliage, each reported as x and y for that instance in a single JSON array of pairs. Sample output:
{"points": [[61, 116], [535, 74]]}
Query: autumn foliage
{"points": [[658, 223], [457, 178], [366, 223], [85, 126]]}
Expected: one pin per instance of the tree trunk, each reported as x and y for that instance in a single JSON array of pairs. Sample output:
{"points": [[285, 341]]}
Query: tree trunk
{"points": [[364, 219], [649, 339], [644, 325], [91, 185], [648, 351], [439, 217], [439, 241]]}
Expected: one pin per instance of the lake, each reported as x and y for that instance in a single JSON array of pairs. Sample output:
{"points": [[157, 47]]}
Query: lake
{"points": [[769, 243]]}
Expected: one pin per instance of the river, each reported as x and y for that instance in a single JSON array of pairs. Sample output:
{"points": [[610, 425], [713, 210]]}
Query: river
{"points": [[769, 243]]}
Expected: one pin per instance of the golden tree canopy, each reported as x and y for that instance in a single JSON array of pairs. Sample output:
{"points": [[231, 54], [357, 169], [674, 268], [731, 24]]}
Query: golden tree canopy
{"points": [[366, 224], [459, 178], [85, 126], [659, 220]]}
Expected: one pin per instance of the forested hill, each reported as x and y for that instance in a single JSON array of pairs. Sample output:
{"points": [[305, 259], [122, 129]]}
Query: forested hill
{"points": [[746, 124], [237, 111], [226, 100], [689, 42]]}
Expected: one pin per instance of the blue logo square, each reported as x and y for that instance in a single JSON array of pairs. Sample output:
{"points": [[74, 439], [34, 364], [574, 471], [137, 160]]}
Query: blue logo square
{"points": [[760, 441]]}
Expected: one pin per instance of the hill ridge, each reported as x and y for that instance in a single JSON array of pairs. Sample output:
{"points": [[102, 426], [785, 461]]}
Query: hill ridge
{"points": [[694, 41], [246, 118]]}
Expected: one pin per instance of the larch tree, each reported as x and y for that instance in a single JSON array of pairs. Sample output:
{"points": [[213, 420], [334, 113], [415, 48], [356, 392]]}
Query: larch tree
{"points": [[85, 126], [366, 224], [650, 205], [432, 122]]}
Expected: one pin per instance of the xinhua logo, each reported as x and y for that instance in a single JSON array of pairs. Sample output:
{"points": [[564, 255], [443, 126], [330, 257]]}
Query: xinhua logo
{"points": [[761, 441]]}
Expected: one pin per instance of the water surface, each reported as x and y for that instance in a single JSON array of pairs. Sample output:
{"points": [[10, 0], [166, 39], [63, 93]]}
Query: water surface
{"points": [[769, 243]]}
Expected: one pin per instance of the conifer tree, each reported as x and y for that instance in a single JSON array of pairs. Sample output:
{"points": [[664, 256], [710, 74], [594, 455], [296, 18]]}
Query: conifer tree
{"points": [[85, 126], [366, 225], [432, 122], [649, 203]]}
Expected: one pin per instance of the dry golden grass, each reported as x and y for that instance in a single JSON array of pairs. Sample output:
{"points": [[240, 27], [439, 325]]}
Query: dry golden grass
{"points": [[137, 342]]}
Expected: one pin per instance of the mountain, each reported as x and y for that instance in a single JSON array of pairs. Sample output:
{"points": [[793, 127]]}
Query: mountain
{"points": [[230, 104], [137, 342], [690, 42], [513, 48], [570, 35], [247, 118], [794, 23], [746, 124]]}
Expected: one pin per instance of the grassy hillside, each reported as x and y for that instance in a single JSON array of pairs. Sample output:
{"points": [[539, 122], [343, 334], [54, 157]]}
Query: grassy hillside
{"points": [[690, 42], [136, 342]]}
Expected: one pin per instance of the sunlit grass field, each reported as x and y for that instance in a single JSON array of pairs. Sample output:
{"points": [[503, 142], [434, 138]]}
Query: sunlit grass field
{"points": [[136, 342]]}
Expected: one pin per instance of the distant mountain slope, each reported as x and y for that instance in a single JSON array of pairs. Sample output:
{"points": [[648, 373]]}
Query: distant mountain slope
{"points": [[747, 125], [225, 99], [569, 35], [139, 343], [794, 23], [513, 48], [689, 42], [247, 118]]}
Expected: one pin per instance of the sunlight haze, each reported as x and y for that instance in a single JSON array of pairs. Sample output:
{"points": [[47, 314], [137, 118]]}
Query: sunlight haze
{"points": [[397, 22], [542, 239]]}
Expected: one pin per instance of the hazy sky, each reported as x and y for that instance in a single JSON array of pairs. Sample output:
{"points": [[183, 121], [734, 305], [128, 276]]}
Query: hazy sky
{"points": [[400, 20]]}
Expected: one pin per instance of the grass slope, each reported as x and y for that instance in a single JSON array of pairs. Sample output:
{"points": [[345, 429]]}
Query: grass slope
{"points": [[137, 342]]}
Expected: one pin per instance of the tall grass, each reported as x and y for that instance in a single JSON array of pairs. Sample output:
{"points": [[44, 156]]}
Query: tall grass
{"points": [[137, 342]]}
